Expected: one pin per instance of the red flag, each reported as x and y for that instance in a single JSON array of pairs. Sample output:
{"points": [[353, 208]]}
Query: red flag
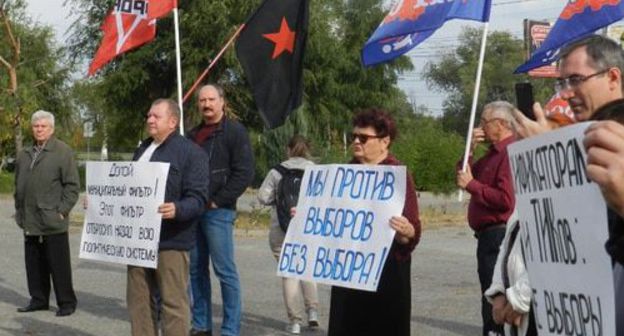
{"points": [[125, 28], [158, 8]]}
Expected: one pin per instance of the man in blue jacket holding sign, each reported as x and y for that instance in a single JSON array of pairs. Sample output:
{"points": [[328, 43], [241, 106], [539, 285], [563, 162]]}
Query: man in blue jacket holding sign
{"points": [[185, 197]]}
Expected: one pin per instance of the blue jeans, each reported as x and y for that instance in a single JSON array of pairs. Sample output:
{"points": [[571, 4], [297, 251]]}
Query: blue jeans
{"points": [[215, 241]]}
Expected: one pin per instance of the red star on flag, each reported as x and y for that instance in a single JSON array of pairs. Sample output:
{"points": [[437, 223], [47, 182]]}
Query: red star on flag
{"points": [[284, 39], [278, 28]]}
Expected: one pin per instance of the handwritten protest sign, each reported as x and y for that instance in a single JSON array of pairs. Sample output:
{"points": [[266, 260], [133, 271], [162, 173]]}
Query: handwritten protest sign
{"points": [[340, 234], [563, 221], [122, 223]]}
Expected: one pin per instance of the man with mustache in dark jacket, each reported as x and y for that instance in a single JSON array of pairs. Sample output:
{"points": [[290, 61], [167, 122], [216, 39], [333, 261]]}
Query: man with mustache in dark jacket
{"points": [[231, 171]]}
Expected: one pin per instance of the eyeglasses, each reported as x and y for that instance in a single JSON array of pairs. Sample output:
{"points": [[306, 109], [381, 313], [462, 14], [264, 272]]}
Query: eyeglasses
{"points": [[484, 122], [363, 138], [575, 80]]}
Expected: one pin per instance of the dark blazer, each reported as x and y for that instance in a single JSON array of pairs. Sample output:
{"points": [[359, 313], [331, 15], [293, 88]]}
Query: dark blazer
{"points": [[187, 187], [231, 161]]}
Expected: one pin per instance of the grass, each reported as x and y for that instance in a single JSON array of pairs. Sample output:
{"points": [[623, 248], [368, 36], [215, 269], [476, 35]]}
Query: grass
{"points": [[258, 220], [431, 219], [7, 183]]}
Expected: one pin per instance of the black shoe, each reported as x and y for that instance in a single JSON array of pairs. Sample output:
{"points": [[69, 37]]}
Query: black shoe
{"points": [[201, 332], [31, 308], [65, 311]]}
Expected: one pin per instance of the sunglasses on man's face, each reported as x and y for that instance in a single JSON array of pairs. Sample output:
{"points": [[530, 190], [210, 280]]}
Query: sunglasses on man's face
{"points": [[363, 138]]}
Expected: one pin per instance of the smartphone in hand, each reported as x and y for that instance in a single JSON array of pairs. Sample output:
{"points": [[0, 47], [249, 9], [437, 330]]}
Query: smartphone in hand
{"points": [[524, 99]]}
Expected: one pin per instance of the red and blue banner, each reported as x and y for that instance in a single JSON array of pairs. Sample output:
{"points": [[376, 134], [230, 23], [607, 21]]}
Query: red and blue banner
{"points": [[410, 22], [579, 18]]}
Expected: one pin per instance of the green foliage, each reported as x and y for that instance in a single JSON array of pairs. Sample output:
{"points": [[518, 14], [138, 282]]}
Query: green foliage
{"points": [[129, 84], [455, 74], [82, 174], [430, 152], [335, 83], [42, 79]]}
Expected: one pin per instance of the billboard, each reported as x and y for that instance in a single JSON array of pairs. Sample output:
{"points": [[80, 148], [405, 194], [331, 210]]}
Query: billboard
{"points": [[535, 33]]}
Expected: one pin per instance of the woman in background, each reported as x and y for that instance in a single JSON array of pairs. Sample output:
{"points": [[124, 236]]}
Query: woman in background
{"points": [[298, 153]]}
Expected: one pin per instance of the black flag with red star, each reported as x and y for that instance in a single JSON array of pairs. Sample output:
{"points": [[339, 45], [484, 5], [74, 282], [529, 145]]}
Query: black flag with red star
{"points": [[270, 48]]}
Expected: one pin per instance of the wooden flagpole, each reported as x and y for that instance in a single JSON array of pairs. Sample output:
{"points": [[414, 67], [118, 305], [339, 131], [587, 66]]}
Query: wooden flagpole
{"points": [[212, 64]]}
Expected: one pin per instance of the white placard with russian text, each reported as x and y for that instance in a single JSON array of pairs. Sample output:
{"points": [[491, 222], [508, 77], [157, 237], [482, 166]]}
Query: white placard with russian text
{"points": [[563, 219], [122, 223], [340, 234]]}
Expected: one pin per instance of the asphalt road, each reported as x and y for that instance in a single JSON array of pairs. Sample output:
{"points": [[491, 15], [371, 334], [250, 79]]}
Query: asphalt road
{"points": [[445, 292]]}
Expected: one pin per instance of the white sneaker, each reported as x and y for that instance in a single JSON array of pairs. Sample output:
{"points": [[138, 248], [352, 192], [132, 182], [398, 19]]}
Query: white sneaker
{"points": [[313, 320], [294, 328]]}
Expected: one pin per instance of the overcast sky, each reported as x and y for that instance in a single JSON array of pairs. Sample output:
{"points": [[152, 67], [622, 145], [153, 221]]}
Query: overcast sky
{"points": [[51, 13], [506, 15]]}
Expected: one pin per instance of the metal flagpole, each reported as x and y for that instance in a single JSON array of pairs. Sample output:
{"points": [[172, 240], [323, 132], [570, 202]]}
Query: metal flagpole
{"points": [[178, 66], [475, 99]]}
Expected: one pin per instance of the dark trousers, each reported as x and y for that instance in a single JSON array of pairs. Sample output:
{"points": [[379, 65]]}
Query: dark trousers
{"points": [[386, 312], [618, 279], [487, 251], [47, 257]]}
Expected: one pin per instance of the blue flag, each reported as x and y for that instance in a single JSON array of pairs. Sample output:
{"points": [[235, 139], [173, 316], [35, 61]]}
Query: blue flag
{"points": [[413, 21], [579, 18]]}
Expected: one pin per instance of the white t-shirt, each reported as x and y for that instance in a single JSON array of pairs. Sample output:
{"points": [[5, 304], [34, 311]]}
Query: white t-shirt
{"points": [[147, 155]]}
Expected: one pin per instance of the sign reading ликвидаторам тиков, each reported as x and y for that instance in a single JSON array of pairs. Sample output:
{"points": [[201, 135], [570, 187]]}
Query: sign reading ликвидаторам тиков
{"points": [[563, 220], [340, 234], [122, 223]]}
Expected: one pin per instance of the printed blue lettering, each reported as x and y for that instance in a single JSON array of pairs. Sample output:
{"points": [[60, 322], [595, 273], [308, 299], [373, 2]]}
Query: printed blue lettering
{"points": [[340, 222], [294, 258], [316, 183], [363, 184], [309, 222], [343, 265]]}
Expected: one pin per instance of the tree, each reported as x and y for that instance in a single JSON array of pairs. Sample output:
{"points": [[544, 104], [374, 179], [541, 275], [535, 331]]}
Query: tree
{"points": [[10, 63], [429, 151], [335, 83], [91, 106], [30, 72], [132, 81], [455, 74]]}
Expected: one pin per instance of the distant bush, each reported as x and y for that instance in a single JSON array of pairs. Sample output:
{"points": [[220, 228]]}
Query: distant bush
{"points": [[430, 153], [82, 173], [7, 183]]}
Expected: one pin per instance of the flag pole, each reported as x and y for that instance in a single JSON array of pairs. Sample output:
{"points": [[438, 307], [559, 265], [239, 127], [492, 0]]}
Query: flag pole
{"points": [[475, 99], [176, 24], [212, 64]]}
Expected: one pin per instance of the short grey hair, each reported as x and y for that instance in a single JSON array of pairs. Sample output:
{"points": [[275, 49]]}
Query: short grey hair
{"points": [[172, 106], [41, 114], [503, 110], [603, 52]]}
